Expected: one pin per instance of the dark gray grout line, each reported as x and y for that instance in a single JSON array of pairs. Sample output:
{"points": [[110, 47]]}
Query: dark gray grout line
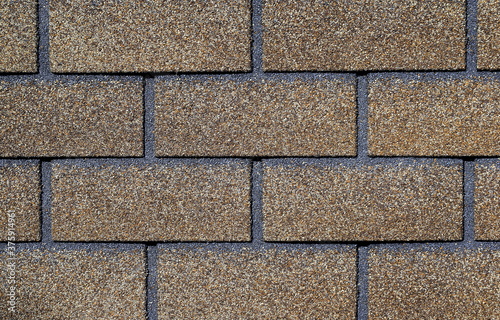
{"points": [[257, 38], [471, 29], [46, 221], [256, 203], [468, 194], [43, 39], [362, 283], [152, 282], [149, 89], [362, 119]]}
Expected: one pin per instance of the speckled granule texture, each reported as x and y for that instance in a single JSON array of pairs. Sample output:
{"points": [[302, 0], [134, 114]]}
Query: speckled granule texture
{"points": [[19, 202], [80, 119], [488, 34], [150, 36], [183, 202], [487, 201], [442, 117], [363, 35], [269, 284], [62, 284], [18, 36], [413, 284], [314, 202], [256, 118]]}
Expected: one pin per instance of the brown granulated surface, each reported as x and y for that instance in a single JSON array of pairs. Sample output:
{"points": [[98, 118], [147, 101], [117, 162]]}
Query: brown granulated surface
{"points": [[270, 284], [487, 202], [254, 118], [185, 202], [488, 34]]}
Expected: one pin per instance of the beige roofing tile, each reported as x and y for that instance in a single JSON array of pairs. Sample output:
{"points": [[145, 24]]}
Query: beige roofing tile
{"points": [[440, 117], [364, 35], [18, 36], [488, 34], [81, 119], [255, 118], [415, 284], [271, 284], [175, 202], [78, 284], [20, 202], [487, 201], [403, 202], [150, 36]]}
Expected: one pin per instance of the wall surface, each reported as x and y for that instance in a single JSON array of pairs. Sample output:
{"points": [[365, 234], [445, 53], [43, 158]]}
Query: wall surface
{"points": [[249, 159]]}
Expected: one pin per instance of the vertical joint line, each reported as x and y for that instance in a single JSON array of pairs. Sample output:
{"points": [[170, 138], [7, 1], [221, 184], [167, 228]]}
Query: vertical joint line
{"points": [[362, 120], [468, 194], [46, 220], [362, 283], [43, 38], [471, 29], [256, 203], [148, 123], [257, 36], [151, 282]]}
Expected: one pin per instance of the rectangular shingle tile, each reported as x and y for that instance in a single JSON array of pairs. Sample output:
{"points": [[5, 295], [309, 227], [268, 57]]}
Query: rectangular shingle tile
{"points": [[314, 201], [150, 36], [439, 284], [434, 117], [272, 284], [255, 118], [19, 202], [488, 34], [78, 284], [194, 201], [80, 119], [18, 36], [363, 35], [487, 201]]}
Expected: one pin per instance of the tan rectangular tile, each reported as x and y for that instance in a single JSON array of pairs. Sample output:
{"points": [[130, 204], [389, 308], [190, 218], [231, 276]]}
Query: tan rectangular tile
{"points": [[488, 34], [196, 201], [417, 284], [255, 118], [80, 119], [150, 36], [487, 201], [18, 36], [364, 35], [400, 202], [439, 117], [272, 284], [20, 202], [79, 284]]}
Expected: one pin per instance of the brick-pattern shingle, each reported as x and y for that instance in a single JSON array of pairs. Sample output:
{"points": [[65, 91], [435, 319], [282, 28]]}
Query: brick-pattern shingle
{"points": [[197, 201], [434, 117], [75, 284], [487, 201], [418, 284], [271, 284], [149, 36], [255, 118], [488, 34], [65, 119], [18, 36], [19, 202], [319, 202], [363, 35]]}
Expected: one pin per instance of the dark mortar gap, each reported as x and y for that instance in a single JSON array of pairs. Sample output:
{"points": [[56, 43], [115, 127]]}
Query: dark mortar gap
{"points": [[362, 283], [46, 204], [148, 121], [468, 200], [256, 203], [471, 31], [43, 39], [362, 116], [151, 282], [257, 39]]}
